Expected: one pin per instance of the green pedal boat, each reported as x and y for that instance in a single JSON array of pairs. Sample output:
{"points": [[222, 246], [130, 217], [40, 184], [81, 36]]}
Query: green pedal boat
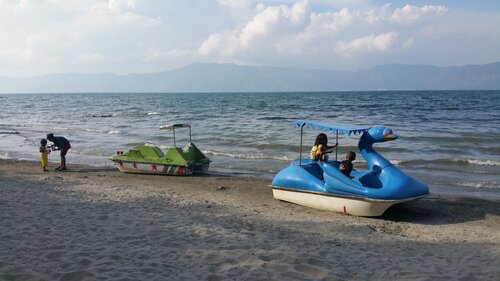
{"points": [[145, 159]]}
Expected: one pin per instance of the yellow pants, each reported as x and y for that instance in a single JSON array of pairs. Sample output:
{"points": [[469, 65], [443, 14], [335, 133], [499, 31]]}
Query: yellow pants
{"points": [[45, 159]]}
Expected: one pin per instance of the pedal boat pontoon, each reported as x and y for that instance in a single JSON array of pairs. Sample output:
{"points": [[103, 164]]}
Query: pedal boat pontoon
{"points": [[322, 185], [146, 159]]}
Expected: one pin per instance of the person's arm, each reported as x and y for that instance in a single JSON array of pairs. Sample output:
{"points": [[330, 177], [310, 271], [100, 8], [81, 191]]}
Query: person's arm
{"points": [[328, 149], [54, 147], [342, 167]]}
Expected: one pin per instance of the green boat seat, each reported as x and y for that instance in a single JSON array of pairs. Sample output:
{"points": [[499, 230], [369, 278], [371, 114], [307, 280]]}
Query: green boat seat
{"points": [[192, 152], [150, 151], [176, 155], [134, 153]]}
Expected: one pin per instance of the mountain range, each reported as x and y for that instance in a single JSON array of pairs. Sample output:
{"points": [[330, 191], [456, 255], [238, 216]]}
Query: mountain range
{"points": [[201, 77]]}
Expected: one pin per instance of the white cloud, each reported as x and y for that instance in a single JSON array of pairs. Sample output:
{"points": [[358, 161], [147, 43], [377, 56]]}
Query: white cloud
{"points": [[143, 36], [211, 44], [407, 14], [327, 23], [268, 23], [369, 44], [296, 30], [378, 15], [411, 13]]}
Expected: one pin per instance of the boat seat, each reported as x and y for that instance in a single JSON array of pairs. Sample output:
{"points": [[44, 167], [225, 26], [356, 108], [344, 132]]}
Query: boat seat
{"points": [[134, 153], [151, 151], [191, 152], [314, 169], [175, 154], [158, 151]]}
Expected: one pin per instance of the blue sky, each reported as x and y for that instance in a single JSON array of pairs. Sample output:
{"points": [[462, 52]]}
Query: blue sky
{"points": [[137, 36]]}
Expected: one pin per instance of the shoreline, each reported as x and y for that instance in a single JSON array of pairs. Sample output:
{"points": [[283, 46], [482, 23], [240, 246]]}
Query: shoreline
{"points": [[485, 193], [91, 223]]}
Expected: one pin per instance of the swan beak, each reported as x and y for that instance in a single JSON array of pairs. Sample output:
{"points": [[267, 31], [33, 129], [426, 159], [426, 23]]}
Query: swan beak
{"points": [[390, 137]]}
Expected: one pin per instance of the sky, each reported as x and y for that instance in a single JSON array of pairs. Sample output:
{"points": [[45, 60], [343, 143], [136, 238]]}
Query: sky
{"points": [[40, 37]]}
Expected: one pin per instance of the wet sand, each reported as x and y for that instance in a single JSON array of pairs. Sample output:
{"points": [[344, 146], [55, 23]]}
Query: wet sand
{"points": [[91, 223]]}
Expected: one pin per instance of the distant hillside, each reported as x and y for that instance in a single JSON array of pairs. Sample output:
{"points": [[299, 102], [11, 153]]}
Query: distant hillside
{"points": [[200, 77]]}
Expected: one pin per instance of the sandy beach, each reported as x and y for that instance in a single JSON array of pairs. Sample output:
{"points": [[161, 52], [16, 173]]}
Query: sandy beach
{"points": [[91, 223]]}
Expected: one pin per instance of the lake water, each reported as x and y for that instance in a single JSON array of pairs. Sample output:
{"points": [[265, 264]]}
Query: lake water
{"points": [[448, 139]]}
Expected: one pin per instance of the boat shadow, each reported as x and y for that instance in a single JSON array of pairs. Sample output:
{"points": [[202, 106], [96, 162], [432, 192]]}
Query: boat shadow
{"points": [[437, 210]]}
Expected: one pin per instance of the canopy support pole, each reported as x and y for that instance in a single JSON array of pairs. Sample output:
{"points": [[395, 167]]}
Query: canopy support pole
{"points": [[336, 147], [173, 129], [190, 135], [300, 153]]}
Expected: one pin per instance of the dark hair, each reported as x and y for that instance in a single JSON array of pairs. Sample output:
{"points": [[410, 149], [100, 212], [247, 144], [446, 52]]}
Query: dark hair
{"points": [[50, 136], [321, 139], [351, 155], [43, 142]]}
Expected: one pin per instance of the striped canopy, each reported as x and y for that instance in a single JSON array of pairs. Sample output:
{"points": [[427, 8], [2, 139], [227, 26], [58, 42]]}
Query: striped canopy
{"points": [[347, 129]]}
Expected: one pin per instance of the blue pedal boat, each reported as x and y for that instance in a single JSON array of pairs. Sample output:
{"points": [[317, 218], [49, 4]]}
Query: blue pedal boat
{"points": [[367, 193]]}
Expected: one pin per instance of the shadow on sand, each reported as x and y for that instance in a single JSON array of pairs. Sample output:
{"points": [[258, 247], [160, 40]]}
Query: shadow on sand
{"points": [[438, 211]]}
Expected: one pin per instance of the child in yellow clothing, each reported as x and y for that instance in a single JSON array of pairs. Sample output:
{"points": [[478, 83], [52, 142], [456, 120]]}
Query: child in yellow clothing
{"points": [[44, 154], [320, 148]]}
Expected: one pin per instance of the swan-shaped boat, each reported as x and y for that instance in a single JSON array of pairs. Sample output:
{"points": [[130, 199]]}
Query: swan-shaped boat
{"points": [[368, 193], [146, 159]]}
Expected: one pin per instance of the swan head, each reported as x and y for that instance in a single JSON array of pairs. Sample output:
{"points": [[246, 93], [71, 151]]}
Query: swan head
{"points": [[381, 134]]}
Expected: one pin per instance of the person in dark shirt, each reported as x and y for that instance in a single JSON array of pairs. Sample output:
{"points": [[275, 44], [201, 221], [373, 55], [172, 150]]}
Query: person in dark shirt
{"points": [[346, 165], [62, 144]]}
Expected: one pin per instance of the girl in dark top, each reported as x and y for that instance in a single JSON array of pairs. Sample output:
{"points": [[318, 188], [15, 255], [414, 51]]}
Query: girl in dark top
{"points": [[62, 144]]}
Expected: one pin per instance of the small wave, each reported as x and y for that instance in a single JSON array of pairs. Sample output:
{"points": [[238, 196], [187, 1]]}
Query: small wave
{"points": [[56, 128], [449, 139], [449, 161], [114, 132], [482, 162], [247, 156], [93, 130], [9, 133], [478, 184], [153, 113]]}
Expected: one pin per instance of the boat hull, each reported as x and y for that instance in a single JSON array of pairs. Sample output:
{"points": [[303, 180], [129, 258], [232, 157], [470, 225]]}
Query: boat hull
{"points": [[154, 168], [352, 205]]}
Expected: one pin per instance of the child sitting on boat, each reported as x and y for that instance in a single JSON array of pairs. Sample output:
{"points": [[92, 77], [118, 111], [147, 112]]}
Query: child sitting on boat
{"points": [[346, 165], [320, 148]]}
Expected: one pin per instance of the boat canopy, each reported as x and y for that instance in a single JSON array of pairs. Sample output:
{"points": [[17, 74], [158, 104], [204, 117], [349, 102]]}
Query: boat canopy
{"points": [[177, 125], [173, 126], [347, 129]]}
